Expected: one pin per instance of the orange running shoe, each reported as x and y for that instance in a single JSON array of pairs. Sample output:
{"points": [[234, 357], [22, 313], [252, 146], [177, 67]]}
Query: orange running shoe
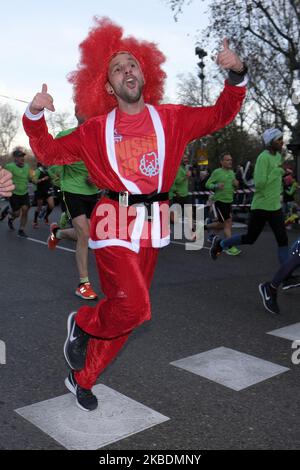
{"points": [[85, 291], [52, 241]]}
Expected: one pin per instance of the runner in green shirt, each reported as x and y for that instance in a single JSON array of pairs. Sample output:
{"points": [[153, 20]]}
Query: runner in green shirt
{"points": [[179, 196], [19, 200], [268, 173], [44, 195], [56, 172], [223, 182], [80, 196]]}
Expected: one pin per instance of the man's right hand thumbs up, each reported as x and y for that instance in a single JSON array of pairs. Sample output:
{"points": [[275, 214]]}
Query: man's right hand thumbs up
{"points": [[42, 101], [227, 59]]}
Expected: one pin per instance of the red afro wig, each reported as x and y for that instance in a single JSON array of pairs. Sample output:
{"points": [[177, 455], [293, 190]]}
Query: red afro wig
{"points": [[104, 40]]}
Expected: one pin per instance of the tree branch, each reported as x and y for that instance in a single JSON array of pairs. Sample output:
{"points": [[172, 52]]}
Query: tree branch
{"points": [[296, 6], [278, 49], [270, 19]]}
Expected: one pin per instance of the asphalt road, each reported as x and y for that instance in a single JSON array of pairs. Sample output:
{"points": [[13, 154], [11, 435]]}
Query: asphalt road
{"points": [[197, 305]]}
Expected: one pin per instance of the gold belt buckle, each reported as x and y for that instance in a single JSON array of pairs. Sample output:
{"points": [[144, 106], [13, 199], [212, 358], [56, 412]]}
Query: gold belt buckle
{"points": [[123, 198]]}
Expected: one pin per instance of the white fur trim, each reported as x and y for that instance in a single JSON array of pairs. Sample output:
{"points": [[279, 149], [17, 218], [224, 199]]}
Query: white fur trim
{"points": [[244, 82], [33, 117], [96, 244], [164, 241]]}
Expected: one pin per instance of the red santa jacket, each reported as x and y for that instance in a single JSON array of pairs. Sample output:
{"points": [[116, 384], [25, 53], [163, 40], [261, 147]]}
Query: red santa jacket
{"points": [[93, 142]]}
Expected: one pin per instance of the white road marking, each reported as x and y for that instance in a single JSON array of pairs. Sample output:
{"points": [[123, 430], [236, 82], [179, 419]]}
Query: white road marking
{"points": [[73, 251], [230, 368], [45, 243], [116, 418], [291, 332]]}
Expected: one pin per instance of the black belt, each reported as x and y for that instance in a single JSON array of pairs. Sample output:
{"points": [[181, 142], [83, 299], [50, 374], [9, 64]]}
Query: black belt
{"points": [[125, 199]]}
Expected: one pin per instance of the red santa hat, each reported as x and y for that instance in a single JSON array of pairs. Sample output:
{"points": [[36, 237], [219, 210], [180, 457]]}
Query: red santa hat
{"points": [[104, 41]]}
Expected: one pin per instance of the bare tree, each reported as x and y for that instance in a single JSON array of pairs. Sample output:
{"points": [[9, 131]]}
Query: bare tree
{"points": [[189, 90], [176, 6], [241, 144], [60, 121], [267, 34], [9, 125]]}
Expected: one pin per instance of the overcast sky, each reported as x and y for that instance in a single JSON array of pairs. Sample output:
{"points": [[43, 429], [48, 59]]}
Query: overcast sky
{"points": [[39, 41]]}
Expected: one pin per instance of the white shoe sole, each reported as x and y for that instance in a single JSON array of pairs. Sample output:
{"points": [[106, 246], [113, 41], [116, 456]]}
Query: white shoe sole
{"points": [[71, 388], [85, 298], [70, 317], [264, 302]]}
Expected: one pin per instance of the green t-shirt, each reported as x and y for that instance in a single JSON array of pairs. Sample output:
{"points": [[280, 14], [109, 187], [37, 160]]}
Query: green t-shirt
{"points": [[180, 186], [291, 190], [55, 173], [226, 177], [268, 181], [74, 177], [21, 177]]}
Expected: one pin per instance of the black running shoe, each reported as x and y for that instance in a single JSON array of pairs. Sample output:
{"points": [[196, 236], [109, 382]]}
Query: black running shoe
{"points": [[85, 399], [4, 213], [75, 345], [269, 297], [210, 238], [291, 282], [215, 249], [22, 234], [10, 223]]}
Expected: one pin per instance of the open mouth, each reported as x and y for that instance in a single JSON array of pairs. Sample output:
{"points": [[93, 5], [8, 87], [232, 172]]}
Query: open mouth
{"points": [[131, 82]]}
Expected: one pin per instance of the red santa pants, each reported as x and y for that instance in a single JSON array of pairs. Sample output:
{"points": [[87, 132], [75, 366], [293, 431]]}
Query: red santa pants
{"points": [[125, 279]]}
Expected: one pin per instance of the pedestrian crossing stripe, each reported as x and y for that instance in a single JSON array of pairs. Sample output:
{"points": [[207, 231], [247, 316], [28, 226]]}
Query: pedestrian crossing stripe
{"points": [[116, 418], [233, 369]]}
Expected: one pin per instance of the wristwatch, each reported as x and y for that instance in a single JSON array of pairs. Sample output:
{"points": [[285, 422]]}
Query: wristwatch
{"points": [[235, 78], [242, 71]]}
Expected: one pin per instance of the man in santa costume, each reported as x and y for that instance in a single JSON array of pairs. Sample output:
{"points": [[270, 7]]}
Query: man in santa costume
{"points": [[132, 146]]}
